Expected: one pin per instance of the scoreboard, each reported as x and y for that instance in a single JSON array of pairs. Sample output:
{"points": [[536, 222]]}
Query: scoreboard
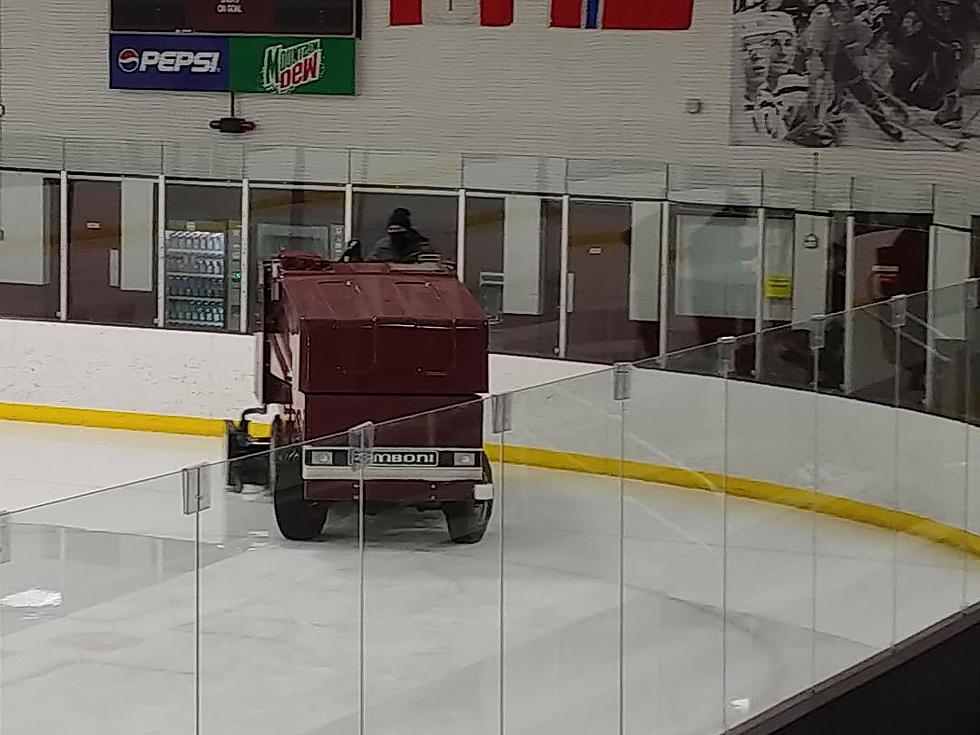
{"points": [[232, 17]]}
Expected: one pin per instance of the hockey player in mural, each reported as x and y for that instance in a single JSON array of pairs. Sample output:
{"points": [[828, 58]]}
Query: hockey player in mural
{"points": [[821, 73]]}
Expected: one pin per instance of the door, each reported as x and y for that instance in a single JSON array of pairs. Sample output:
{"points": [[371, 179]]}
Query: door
{"points": [[30, 265], [97, 291], [712, 286], [599, 325], [513, 265], [891, 258]]}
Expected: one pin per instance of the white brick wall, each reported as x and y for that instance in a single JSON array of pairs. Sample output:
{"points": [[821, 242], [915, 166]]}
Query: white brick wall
{"points": [[170, 372], [525, 89]]}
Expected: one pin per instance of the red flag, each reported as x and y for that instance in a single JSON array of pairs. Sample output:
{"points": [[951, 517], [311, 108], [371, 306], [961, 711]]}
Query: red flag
{"points": [[566, 13], [405, 12], [658, 15], [452, 12], [634, 15]]}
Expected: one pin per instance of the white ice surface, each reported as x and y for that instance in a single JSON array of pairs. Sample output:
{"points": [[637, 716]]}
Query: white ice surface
{"points": [[280, 622]]}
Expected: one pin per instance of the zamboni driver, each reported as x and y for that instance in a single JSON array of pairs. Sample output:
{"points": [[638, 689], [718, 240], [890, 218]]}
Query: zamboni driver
{"points": [[401, 242]]}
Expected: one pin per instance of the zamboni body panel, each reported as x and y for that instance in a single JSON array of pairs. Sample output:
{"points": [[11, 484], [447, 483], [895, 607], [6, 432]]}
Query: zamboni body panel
{"points": [[401, 346]]}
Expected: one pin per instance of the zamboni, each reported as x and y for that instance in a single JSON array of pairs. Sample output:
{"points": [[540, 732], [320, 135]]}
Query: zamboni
{"points": [[344, 344]]}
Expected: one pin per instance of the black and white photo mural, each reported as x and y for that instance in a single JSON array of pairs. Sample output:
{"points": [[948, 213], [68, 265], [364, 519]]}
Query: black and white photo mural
{"points": [[863, 73]]}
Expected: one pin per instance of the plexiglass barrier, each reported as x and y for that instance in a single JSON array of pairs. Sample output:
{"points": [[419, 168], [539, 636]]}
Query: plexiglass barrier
{"points": [[670, 547], [629, 259]]}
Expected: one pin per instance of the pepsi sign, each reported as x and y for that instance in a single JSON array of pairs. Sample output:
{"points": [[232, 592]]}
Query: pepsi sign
{"points": [[176, 63]]}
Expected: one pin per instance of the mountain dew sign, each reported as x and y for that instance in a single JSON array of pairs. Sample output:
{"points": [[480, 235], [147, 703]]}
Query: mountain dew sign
{"points": [[289, 67], [292, 65]]}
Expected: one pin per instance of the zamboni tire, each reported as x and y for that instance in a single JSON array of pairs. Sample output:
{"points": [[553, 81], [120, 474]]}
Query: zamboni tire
{"points": [[298, 519], [467, 520]]}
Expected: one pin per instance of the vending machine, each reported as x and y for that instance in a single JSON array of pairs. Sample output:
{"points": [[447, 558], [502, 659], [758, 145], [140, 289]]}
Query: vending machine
{"points": [[203, 275]]}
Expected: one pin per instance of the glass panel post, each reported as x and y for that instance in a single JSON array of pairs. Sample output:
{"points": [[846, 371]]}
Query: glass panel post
{"points": [[725, 367], [972, 331], [898, 312], [501, 409], [972, 416], [898, 316], [622, 392], [360, 443]]}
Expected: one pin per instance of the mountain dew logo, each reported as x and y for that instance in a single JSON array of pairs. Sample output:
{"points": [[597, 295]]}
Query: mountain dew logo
{"points": [[287, 67]]}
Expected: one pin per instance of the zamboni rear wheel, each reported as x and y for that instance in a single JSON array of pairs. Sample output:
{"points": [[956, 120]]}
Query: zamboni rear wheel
{"points": [[298, 519], [467, 520]]}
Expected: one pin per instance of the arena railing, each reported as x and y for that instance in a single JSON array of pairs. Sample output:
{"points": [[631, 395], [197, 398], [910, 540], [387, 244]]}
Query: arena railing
{"points": [[46, 273], [674, 547], [817, 186]]}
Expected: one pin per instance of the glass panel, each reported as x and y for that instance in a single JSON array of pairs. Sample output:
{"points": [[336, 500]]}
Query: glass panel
{"points": [[296, 219], [834, 192], [112, 235], [696, 360], [602, 304], [890, 258], [713, 289], [946, 352], [786, 358], [280, 617], [508, 173], [715, 185], [770, 543], [222, 161], [871, 370], [855, 470], [931, 481], [627, 179], [777, 291], [98, 613], [298, 164], [915, 343], [113, 157], [32, 152], [391, 168], [972, 322], [790, 189], [518, 286], [562, 530], [781, 294], [203, 257], [972, 463], [30, 252], [955, 205], [673, 560], [434, 216], [975, 248], [432, 575], [876, 194]]}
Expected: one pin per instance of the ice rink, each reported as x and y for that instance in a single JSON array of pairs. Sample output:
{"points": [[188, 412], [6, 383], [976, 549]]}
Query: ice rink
{"points": [[725, 607]]}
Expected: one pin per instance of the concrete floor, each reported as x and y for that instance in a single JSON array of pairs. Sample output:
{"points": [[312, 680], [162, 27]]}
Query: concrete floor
{"points": [[122, 615]]}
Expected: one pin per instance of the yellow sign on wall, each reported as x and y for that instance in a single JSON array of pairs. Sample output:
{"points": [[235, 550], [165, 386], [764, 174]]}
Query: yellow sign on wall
{"points": [[779, 287]]}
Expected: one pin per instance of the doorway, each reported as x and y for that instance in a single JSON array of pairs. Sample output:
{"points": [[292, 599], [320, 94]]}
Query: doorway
{"points": [[712, 285], [599, 325], [105, 284], [890, 258]]}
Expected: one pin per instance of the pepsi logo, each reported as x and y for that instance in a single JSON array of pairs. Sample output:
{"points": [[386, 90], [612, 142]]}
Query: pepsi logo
{"points": [[128, 60]]}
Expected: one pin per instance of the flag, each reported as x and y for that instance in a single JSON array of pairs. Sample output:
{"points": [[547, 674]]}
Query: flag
{"points": [[452, 12], [627, 15]]}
